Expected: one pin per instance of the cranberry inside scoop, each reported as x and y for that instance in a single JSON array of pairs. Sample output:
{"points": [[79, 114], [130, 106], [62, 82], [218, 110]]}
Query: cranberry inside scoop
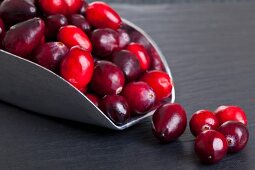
{"points": [[53, 24]]}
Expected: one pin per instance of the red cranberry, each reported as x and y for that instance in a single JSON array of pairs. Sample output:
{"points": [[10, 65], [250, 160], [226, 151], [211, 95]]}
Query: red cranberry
{"points": [[80, 22], [139, 96], [104, 42], [93, 98], [2, 32], [160, 82], [211, 146], [107, 79], [123, 38], [203, 120], [169, 122], [50, 54], [101, 15], [141, 55], [84, 7], [228, 113], [24, 37], [15, 11], [116, 108], [53, 24], [156, 62], [128, 63], [77, 67], [72, 36], [236, 133]]}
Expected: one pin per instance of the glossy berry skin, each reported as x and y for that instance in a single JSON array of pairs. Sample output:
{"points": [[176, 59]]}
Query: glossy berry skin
{"points": [[228, 113], [160, 82], [73, 36], [128, 63], [156, 62], [2, 32], [53, 24], [140, 97], [116, 108], [15, 11], [211, 146], [84, 7], [80, 22], [169, 122], [237, 135], [107, 79], [203, 120], [24, 37], [141, 54], [101, 15], [77, 67], [93, 98], [49, 55], [123, 39], [104, 42]]}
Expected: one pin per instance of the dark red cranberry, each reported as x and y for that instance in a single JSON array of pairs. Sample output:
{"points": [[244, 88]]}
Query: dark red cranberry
{"points": [[169, 122], [77, 67], [72, 36], [116, 108], [237, 135], [123, 38], [228, 113], [14, 11], [93, 98], [128, 63], [104, 42], [211, 146], [101, 15], [53, 24], [80, 22], [203, 120], [84, 7], [50, 54], [24, 37], [139, 38], [139, 96], [160, 82], [141, 54], [156, 62], [2, 32], [107, 79]]}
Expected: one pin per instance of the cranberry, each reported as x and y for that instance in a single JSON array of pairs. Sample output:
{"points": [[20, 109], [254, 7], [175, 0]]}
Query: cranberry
{"points": [[141, 55], [101, 15], [104, 42], [53, 24], [169, 122], [65, 7], [236, 133], [84, 7], [81, 22], [93, 98], [160, 82], [116, 108], [139, 96], [128, 63], [2, 32], [107, 79], [24, 37], [50, 54], [72, 36], [77, 67], [211, 146], [13, 11], [123, 38], [228, 113], [156, 62], [203, 120]]}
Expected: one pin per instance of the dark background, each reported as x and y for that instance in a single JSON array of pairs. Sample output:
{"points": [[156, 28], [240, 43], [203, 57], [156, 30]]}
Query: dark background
{"points": [[210, 48]]}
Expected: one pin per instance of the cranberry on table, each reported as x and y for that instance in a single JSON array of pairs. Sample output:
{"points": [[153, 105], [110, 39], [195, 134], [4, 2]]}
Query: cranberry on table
{"points": [[123, 38], [104, 42], [237, 135], [77, 67], [93, 98], [73, 36], [81, 22], [128, 63], [211, 146], [203, 120], [53, 23], [116, 108], [140, 97], [101, 15], [141, 54], [228, 113], [49, 55], [24, 37], [108, 79], [169, 122], [160, 82]]}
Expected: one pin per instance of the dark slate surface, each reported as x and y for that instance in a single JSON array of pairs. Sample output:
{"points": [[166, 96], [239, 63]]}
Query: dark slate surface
{"points": [[210, 49]]}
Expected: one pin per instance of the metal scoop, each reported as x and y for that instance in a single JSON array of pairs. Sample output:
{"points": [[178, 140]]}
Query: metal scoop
{"points": [[35, 88]]}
